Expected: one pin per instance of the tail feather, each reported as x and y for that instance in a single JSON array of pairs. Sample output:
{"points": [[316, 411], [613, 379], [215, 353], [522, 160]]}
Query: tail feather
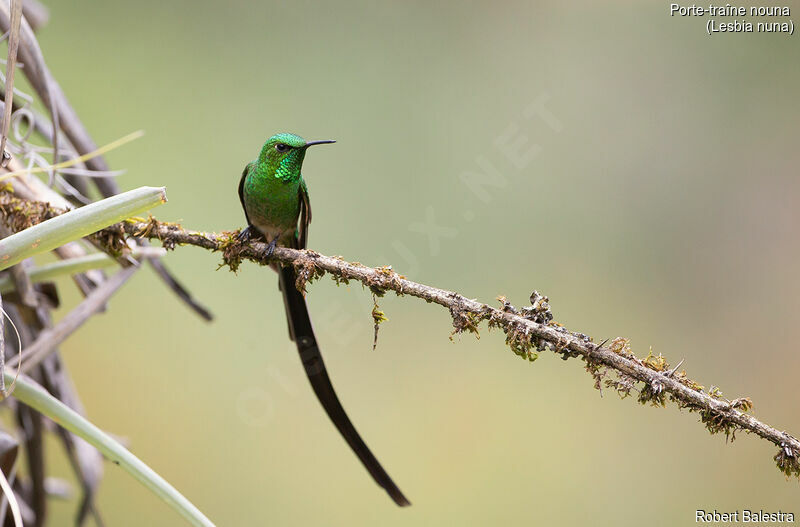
{"points": [[302, 333]]}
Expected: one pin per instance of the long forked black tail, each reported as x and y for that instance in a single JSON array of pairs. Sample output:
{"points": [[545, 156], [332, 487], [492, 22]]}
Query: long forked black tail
{"points": [[302, 333]]}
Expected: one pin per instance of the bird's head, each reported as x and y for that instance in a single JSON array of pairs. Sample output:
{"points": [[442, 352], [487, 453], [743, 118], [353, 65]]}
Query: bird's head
{"points": [[283, 154]]}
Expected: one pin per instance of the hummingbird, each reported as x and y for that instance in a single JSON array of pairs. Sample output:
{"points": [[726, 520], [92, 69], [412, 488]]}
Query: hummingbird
{"points": [[275, 200]]}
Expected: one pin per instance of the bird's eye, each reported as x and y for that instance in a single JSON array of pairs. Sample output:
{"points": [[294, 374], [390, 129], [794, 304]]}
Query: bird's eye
{"points": [[281, 147]]}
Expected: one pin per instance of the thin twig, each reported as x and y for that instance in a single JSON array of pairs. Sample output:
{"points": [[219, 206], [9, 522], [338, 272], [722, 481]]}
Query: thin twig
{"points": [[9, 451], [70, 162], [12, 499], [36, 71], [11, 66]]}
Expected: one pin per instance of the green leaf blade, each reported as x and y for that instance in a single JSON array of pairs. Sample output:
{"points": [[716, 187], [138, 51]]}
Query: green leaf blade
{"points": [[78, 223]]}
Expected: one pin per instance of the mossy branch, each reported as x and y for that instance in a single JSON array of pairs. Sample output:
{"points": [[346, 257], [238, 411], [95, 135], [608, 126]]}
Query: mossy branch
{"points": [[528, 330]]}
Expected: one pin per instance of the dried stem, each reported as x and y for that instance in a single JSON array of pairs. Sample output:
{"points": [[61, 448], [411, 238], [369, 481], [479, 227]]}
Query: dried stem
{"points": [[11, 66]]}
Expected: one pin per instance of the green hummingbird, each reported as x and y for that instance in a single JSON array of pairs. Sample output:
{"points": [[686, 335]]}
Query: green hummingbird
{"points": [[274, 197]]}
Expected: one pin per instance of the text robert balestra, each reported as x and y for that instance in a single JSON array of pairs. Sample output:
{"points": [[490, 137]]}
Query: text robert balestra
{"points": [[743, 516]]}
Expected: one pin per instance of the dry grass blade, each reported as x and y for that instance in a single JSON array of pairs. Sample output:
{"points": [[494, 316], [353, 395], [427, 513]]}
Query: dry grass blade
{"points": [[70, 162], [49, 339], [9, 453], [11, 66], [12, 499], [3, 317]]}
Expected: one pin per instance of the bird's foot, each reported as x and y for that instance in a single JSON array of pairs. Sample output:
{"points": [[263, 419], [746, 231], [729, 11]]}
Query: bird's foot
{"points": [[251, 233], [247, 234], [271, 246]]}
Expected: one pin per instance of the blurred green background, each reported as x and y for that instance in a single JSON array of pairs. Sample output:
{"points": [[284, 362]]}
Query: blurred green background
{"points": [[661, 205]]}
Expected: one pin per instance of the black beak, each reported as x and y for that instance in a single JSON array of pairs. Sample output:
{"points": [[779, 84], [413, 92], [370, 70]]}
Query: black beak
{"points": [[325, 142]]}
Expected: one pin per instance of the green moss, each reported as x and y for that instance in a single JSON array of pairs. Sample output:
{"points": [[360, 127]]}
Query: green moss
{"points": [[717, 423], [307, 271], [621, 346], [231, 248], [112, 239], [623, 385], [340, 280], [465, 321], [655, 362], [654, 395]]}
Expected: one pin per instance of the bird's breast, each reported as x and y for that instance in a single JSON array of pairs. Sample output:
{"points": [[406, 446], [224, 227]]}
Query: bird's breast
{"points": [[273, 205]]}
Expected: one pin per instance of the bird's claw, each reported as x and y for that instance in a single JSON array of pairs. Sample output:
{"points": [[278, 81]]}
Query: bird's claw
{"points": [[249, 233], [245, 234], [271, 247]]}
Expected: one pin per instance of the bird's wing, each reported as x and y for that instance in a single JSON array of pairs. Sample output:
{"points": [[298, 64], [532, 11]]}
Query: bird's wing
{"points": [[241, 189], [305, 216]]}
